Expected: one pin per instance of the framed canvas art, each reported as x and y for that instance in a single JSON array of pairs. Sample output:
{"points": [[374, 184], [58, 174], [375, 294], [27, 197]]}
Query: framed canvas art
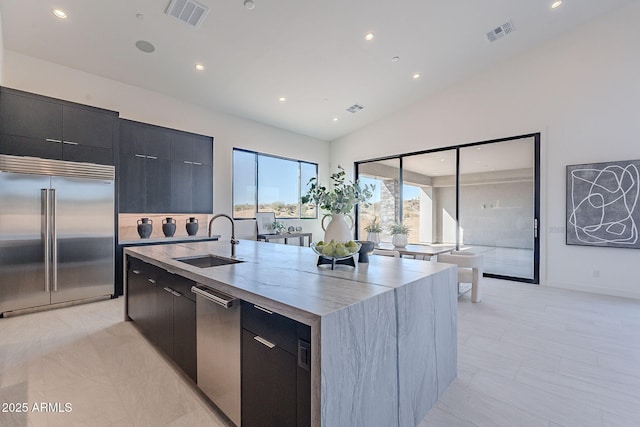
{"points": [[264, 221], [602, 204]]}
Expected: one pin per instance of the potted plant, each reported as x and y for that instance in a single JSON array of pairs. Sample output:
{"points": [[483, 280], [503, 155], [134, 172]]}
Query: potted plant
{"points": [[373, 230], [339, 201], [278, 227], [399, 232]]}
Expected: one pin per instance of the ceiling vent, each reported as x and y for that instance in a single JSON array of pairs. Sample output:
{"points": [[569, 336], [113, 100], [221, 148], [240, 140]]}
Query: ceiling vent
{"points": [[501, 31], [355, 108], [188, 11]]}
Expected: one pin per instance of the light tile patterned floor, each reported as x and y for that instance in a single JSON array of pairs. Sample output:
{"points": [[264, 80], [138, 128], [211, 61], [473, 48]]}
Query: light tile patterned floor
{"points": [[528, 356]]}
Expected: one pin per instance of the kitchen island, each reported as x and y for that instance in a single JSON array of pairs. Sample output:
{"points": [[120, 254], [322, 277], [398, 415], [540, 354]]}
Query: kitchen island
{"points": [[383, 334]]}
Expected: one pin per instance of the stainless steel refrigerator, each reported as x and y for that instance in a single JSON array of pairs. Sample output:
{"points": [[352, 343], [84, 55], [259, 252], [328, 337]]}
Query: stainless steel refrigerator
{"points": [[56, 232]]}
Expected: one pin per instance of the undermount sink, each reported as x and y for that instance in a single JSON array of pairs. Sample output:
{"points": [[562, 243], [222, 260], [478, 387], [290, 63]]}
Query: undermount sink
{"points": [[205, 261]]}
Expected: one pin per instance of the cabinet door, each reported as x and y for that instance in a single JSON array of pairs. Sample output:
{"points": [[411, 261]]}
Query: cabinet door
{"points": [[132, 193], [158, 185], [164, 319], [182, 186], [87, 153], [268, 384], [131, 140], [86, 127], [184, 335], [203, 149], [32, 147], [141, 296], [157, 142], [136, 287], [202, 193], [30, 117]]}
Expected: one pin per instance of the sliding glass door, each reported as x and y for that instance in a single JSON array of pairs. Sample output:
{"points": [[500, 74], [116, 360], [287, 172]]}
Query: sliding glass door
{"points": [[481, 197], [497, 209]]}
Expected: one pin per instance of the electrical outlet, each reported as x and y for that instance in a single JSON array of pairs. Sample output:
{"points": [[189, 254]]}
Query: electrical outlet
{"points": [[556, 229], [596, 274]]}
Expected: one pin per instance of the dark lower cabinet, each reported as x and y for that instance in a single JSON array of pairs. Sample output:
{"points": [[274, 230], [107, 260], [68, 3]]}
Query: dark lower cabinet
{"points": [[276, 376], [141, 296], [268, 384], [164, 309]]}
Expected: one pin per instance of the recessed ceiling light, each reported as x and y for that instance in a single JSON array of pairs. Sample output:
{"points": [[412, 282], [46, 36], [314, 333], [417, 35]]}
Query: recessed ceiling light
{"points": [[59, 13], [199, 67], [335, 119], [556, 4], [395, 59], [282, 99], [415, 76], [368, 36], [249, 4], [442, 160], [145, 46]]}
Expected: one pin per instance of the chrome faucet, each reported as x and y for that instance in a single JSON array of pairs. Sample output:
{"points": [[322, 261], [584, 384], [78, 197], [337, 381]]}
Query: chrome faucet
{"points": [[234, 242]]}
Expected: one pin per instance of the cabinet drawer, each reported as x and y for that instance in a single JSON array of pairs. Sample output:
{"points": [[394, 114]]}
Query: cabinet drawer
{"points": [[178, 284], [278, 329], [147, 270]]}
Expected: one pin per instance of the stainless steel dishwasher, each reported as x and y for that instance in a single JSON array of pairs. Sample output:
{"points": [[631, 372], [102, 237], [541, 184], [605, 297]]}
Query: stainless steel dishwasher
{"points": [[218, 343]]}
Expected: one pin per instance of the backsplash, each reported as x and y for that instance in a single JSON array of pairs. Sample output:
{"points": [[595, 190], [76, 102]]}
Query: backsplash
{"points": [[128, 225]]}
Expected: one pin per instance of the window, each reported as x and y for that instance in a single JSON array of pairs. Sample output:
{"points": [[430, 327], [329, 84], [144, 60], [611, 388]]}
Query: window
{"points": [[264, 183]]}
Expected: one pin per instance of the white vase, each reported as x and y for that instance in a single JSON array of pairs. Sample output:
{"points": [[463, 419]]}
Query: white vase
{"points": [[373, 237], [338, 229], [399, 240]]}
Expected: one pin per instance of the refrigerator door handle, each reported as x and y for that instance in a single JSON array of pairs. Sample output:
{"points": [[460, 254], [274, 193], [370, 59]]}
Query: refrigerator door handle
{"points": [[44, 218], [54, 240]]}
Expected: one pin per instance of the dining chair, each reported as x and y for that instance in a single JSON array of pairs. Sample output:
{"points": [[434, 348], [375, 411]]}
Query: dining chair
{"points": [[470, 269]]}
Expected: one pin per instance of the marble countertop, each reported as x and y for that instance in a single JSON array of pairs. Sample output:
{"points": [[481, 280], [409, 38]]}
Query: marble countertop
{"points": [[285, 278]]}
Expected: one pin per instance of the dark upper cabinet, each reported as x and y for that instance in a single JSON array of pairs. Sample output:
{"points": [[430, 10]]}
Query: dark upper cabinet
{"points": [[144, 183], [30, 117], [38, 126], [191, 173], [164, 170]]}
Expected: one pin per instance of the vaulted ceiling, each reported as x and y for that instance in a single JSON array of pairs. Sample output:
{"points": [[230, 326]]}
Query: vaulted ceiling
{"points": [[313, 53]]}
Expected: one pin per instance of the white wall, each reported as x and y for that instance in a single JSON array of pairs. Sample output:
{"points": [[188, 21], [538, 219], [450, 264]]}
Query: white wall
{"points": [[46, 78], [1, 48], [580, 91]]}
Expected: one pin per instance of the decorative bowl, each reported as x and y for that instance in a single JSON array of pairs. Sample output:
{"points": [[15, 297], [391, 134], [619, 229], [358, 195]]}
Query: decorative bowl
{"points": [[337, 253]]}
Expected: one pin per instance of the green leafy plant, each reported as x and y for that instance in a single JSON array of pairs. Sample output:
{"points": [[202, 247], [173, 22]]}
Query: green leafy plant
{"points": [[374, 226], [399, 228], [343, 195], [278, 227]]}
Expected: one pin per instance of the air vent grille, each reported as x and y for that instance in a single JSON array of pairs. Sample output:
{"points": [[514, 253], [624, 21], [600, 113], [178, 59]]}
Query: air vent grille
{"points": [[501, 31], [355, 108], [188, 11]]}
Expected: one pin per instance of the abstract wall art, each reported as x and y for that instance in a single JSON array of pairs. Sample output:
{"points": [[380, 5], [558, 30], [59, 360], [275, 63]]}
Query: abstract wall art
{"points": [[603, 207]]}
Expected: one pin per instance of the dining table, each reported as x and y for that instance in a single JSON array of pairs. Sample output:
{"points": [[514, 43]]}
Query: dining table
{"points": [[418, 251]]}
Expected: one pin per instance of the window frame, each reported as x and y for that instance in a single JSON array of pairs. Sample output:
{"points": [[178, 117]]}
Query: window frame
{"points": [[301, 185]]}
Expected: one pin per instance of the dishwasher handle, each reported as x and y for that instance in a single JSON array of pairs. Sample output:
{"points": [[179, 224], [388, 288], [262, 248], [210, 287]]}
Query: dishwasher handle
{"points": [[219, 298]]}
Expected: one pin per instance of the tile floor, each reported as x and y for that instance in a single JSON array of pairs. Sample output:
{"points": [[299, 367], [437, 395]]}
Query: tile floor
{"points": [[528, 356]]}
